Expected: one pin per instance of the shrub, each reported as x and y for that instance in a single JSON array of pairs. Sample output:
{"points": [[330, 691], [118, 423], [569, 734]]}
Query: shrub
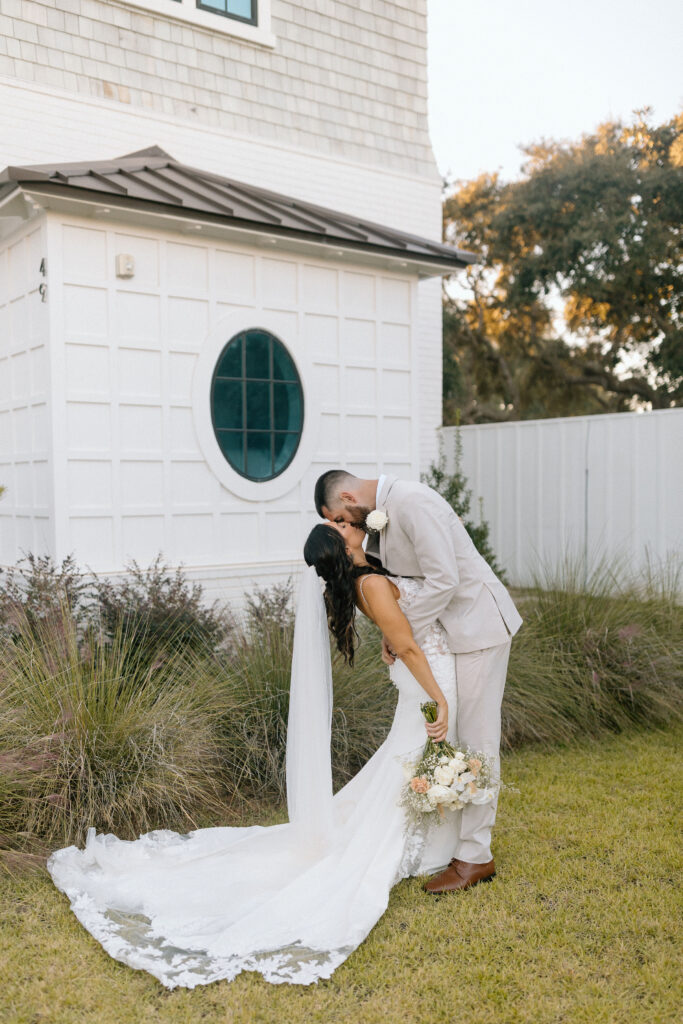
{"points": [[36, 591], [159, 605], [270, 607]]}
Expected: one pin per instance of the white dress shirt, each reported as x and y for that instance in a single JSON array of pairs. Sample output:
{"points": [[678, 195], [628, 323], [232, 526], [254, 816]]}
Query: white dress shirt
{"points": [[380, 485]]}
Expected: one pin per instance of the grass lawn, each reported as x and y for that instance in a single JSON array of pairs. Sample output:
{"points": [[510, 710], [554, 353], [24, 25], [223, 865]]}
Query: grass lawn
{"points": [[582, 923]]}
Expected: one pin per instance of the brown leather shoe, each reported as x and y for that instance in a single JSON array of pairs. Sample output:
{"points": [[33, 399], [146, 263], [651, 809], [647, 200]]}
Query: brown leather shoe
{"points": [[460, 875]]}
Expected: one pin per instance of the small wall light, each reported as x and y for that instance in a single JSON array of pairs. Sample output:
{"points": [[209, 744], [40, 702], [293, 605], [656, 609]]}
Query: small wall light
{"points": [[125, 265]]}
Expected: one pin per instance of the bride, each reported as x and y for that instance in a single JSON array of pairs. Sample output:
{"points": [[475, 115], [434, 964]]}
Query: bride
{"points": [[290, 901]]}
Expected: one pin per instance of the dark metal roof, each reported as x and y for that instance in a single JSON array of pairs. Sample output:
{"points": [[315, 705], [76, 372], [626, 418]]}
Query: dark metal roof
{"points": [[153, 179]]}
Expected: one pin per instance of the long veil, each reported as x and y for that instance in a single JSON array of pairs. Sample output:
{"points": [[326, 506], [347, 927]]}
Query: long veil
{"points": [[309, 728]]}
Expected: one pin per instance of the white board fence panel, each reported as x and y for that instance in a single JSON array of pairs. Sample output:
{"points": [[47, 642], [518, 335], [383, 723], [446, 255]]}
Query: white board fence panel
{"points": [[585, 487]]}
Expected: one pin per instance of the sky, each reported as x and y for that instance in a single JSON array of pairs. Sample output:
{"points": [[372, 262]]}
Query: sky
{"points": [[509, 72]]}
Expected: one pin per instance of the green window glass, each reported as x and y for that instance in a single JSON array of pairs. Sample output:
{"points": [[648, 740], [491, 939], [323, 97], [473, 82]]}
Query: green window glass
{"points": [[257, 405], [241, 10]]}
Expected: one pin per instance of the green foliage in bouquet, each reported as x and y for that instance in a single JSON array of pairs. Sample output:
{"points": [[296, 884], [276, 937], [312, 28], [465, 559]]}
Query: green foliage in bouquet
{"points": [[430, 711]]}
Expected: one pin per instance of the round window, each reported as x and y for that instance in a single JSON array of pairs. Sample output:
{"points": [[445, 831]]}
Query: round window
{"points": [[257, 405]]}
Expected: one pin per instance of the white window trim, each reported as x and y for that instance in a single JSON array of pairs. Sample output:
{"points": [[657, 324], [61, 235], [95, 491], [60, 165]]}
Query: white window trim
{"points": [[187, 11], [213, 345]]}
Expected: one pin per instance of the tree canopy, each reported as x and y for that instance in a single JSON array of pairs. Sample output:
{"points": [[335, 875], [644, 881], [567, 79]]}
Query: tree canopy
{"points": [[576, 304]]}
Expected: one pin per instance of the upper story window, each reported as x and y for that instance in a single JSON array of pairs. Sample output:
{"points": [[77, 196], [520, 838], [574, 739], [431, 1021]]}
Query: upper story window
{"points": [[245, 19], [243, 10]]}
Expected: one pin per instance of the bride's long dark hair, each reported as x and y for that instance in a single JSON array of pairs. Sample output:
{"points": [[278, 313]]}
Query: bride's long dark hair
{"points": [[326, 551]]}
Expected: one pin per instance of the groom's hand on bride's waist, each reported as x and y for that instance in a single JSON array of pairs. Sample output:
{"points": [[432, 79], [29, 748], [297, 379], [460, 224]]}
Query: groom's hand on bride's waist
{"points": [[388, 656]]}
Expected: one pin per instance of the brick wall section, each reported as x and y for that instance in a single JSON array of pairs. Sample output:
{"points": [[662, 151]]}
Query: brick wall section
{"points": [[341, 80]]}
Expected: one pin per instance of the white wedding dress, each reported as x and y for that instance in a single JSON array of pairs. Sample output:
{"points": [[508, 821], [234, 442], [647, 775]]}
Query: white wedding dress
{"points": [[193, 909]]}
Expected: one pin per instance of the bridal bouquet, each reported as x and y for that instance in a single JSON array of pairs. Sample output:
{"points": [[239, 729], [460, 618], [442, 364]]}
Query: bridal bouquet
{"points": [[444, 778]]}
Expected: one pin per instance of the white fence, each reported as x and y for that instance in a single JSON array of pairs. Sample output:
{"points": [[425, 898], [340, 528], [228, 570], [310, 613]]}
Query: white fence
{"points": [[593, 487]]}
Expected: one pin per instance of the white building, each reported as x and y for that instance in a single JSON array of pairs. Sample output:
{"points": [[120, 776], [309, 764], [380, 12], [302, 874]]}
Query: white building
{"points": [[188, 340]]}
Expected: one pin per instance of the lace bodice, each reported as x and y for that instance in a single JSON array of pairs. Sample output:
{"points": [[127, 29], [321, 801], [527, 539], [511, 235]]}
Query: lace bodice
{"points": [[436, 640]]}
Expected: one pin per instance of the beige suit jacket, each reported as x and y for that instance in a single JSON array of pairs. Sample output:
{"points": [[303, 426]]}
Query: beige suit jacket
{"points": [[425, 538]]}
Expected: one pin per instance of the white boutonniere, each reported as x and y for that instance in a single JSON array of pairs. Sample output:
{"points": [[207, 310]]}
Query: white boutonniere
{"points": [[376, 520]]}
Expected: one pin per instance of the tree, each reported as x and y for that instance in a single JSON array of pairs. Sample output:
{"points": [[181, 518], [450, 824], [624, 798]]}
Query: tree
{"points": [[576, 305]]}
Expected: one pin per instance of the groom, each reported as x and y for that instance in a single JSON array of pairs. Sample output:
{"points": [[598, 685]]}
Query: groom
{"points": [[423, 537]]}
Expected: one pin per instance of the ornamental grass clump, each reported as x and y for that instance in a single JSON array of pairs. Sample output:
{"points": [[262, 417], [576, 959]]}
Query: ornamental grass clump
{"points": [[254, 679], [128, 726], [91, 734], [596, 653]]}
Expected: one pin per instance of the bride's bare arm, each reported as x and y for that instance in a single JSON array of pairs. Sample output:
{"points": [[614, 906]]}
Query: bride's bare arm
{"points": [[380, 603]]}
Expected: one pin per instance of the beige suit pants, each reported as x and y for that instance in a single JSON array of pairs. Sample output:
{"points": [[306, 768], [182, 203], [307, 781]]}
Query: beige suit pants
{"points": [[480, 681]]}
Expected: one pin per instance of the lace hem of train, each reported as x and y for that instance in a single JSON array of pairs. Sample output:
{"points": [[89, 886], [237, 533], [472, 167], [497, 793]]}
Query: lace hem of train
{"points": [[415, 841], [130, 938]]}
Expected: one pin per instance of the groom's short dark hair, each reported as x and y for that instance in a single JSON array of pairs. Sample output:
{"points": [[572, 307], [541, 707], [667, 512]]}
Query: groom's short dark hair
{"points": [[327, 487]]}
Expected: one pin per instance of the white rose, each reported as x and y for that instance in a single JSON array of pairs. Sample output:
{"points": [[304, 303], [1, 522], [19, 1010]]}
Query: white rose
{"points": [[457, 765], [444, 775], [438, 795], [467, 777], [454, 801], [376, 520]]}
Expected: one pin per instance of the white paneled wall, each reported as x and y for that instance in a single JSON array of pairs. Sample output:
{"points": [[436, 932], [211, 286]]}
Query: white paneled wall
{"points": [[135, 479], [25, 472], [609, 487]]}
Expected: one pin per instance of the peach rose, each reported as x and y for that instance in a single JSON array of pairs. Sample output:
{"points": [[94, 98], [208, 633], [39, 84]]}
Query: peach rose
{"points": [[419, 784], [474, 764]]}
